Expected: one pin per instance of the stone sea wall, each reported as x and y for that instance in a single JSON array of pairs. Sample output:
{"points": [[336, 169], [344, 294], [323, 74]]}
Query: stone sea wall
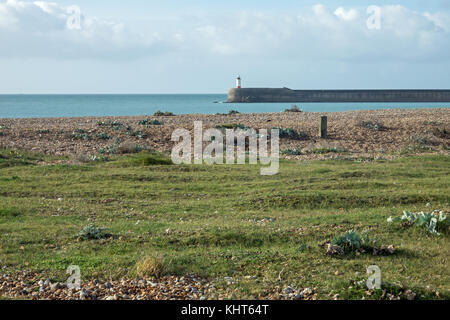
{"points": [[288, 95]]}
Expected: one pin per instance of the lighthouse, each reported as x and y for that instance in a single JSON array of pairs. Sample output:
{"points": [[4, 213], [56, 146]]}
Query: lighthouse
{"points": [[238, 82]]}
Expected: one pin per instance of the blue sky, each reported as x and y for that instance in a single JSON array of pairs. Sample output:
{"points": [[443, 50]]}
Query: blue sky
{"points": [[171, 46]]}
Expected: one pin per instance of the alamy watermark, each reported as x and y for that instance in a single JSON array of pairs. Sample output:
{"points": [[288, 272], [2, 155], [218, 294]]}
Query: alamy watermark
{"points": [[74, 20], [74, 280], [237, 144], [374, 21], [374, 281]]}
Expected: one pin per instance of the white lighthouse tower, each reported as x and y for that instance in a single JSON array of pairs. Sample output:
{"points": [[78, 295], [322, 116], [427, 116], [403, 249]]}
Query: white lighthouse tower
{"points": [[238, 82]]}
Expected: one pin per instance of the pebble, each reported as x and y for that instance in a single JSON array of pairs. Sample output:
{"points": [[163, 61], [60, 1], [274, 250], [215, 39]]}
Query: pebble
{"points": [[410, 295], [299, 296], [413, 123], [187, 287], [83, 295], [307, 291], [54, 286], [288, 290]]}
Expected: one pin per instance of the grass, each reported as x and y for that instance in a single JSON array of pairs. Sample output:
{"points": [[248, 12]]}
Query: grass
{"points": [[151, 266], [201, 219], [122, 148]]}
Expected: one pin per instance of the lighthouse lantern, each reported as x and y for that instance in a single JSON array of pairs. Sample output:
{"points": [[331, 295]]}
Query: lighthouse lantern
{"points": [[238, 82]]}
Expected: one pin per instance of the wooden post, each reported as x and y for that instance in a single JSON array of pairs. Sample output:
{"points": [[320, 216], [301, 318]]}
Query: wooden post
{"points": [[323, 127]]}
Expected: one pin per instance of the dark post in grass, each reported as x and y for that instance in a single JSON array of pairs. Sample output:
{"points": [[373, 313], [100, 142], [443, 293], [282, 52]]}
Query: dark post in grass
{"points": [[323, 127]]}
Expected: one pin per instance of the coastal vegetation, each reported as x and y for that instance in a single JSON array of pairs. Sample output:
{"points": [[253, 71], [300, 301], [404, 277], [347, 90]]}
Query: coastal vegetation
{"points": [[292, 152], [294, 108], [373, 125], [150, 122], [160, 113], [251, 236], [327, 150], [289, 133], [233, 126]]}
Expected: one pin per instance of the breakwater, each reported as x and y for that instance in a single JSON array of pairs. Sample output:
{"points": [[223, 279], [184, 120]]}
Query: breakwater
{"points": [[248, 95]]}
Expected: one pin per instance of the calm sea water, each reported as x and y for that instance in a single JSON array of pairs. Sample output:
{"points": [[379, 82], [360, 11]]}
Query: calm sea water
{"points": [[38, 106]]}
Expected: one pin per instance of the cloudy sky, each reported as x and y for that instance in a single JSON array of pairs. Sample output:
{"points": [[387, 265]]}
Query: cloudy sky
{"points": [[199, 46]]}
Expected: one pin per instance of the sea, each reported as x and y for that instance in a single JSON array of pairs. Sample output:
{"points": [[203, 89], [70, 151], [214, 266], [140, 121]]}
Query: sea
{"points": [[80, 105]]}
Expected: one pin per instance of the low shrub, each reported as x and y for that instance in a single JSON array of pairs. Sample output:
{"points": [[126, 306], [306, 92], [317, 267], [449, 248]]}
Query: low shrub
{"points": [[373, 125], [231, 112], [434, 222], [163, 114], [294, 108], [233, 126], [103, 136], [9, 212], [441, 132], [421, 140], [289, 133], [137, 134], [92, 232], [150, 122], [327, 150], [149, 159], [112, 149], [354, 242], [85, 158], [151, 266], [122, 148], [80, 134], [292, 152], [129, 147], [110, 123], [351, 241]]}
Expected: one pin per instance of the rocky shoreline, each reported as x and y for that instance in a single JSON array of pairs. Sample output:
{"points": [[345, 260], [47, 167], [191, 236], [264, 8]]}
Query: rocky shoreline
{"points": [[351, 134], [25, 285]]}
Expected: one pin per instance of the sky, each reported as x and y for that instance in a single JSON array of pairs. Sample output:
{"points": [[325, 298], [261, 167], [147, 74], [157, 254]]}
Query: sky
{"points": [[199, 46]]}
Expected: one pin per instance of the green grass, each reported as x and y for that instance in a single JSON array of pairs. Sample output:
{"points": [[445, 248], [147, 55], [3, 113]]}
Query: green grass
{"points": [[200, 219]]}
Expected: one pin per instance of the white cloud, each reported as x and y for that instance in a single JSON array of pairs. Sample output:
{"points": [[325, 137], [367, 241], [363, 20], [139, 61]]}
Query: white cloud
{"points": [[322, 33], [39, 29], [350, 14]]}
